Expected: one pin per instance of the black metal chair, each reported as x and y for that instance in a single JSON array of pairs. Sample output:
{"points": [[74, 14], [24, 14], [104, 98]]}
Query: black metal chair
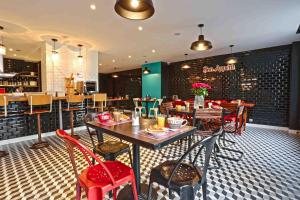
{"points": [[233, 126], [109, 150], [185, 178]]}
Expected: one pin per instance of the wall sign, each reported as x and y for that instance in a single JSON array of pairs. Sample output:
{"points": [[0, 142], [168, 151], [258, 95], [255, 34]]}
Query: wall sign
{"points": [[218, 68]]}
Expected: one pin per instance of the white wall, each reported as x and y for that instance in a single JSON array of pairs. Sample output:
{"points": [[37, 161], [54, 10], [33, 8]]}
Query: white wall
{"points": [[55, 71]]}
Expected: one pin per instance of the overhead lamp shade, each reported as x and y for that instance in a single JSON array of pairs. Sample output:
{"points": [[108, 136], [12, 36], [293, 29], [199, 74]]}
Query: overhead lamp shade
{"points": [[80, 59], [2, 50], [135, 9], [55, 55], [201, 44], [185, 66], [231, 60], [146, 71]]}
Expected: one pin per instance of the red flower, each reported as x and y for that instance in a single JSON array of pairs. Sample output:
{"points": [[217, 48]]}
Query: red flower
{"points": [[201, 85]]}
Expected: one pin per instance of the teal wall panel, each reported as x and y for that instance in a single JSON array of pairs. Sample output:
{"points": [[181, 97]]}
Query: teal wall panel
{"points": [[151, 83]]}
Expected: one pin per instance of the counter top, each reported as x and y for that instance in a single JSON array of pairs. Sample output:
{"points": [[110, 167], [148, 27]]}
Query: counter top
{"points": [[23, 98]]}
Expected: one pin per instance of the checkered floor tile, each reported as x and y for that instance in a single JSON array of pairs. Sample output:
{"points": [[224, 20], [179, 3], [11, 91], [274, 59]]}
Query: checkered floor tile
{"points": [[269, 169]]}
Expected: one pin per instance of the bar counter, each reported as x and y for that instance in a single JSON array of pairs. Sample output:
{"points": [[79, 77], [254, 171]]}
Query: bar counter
{"points": [[17, 124]]}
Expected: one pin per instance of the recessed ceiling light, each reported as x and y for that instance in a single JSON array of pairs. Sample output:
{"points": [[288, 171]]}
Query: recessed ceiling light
{"points": [[129, 56], [93, 7], [10, 49], [15, 54], [153, 51], [140, 28], [113, 60], [100, 64]]}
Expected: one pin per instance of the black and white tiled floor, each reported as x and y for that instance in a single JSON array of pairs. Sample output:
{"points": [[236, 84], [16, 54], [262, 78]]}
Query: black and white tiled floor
{"points": [[270, 169]]}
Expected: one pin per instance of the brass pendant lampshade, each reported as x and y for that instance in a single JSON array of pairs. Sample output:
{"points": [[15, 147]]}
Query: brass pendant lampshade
{"points": [[201, 44], [231, 60], [135, 9]]}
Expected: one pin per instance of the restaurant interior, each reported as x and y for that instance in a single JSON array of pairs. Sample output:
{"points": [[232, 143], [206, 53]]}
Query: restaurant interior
{"points": [[148, 99]]}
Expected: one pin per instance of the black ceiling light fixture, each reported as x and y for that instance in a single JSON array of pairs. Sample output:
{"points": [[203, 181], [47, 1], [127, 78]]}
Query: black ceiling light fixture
{"points": [[146, 70], [185, 65], [54, 51], [231, 60], [298, 31], [135, 9], [201, 44]]}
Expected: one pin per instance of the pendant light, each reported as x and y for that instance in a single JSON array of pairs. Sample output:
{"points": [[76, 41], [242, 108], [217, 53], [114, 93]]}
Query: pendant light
{"points": [[201, 44], [115, 75], [54, 52], [231, 60], [185, 65], [80, 57], [135, 9], [2, 47], [146, 70]]}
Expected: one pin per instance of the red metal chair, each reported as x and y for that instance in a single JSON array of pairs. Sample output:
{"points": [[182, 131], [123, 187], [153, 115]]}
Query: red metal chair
{"points": [[99, 179]]}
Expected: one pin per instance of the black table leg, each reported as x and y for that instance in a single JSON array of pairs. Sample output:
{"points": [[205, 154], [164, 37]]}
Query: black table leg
{"points": [[136, 166], [100, 136]]}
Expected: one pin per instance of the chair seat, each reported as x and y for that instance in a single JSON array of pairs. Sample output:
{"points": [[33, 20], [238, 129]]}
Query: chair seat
{"points": [[185, 174], [230, 118], [96, 176], [34, 112], [111, 147], [72, 109]]}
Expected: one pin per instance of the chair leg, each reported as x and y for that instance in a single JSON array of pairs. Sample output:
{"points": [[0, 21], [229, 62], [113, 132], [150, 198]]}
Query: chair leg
{"points": [[133, 186], [149, 190], [72, 126], [78, 192], [40, 144], [115, 192], [204, 190], [130, 158]]}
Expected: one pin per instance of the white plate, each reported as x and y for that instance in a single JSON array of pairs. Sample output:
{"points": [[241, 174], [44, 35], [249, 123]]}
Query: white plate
{"points": [[157, 134]]}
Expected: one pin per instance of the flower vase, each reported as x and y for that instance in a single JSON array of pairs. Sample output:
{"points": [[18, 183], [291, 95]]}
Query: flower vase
{"points": [[199, 102]]}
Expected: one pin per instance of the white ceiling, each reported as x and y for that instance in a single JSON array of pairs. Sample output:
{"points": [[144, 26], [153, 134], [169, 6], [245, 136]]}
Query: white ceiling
{"points": [[249, 24]]}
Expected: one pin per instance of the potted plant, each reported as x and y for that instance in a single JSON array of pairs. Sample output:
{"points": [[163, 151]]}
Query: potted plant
{"points": [[200, 90]]}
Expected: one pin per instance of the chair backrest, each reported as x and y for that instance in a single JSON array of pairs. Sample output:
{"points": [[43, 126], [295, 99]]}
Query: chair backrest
{"points": [[75, 99], [87, 118], [239, 121], [157, 103], [71, 144], [39, 100], [4, 103], [136, 102], [208, 144], [165, 106], [229, 106], [101, 97]]}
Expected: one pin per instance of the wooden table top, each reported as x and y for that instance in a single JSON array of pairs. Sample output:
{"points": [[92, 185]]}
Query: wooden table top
{"points": [[133, 133]]}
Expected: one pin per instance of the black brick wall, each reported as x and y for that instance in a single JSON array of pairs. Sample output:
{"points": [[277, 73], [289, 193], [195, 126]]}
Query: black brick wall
{"points": [[261, 77]]}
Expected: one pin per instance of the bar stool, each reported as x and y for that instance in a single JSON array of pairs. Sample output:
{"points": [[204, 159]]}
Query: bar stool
{"points": [[155, 108], [3, 103], [71, 100], [39, 100], [98, 98], [137, 107]]}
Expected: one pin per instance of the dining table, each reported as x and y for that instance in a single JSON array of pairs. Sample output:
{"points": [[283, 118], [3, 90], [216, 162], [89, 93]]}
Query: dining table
{"points": [[139, 138]]}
